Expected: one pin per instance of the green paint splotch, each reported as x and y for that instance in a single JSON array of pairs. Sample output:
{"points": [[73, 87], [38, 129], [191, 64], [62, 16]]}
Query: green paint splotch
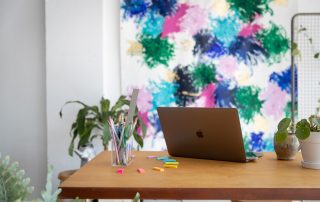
{"points": [[249, 9], [203, 75], [248, 103], [275, 42], [156, 50]]}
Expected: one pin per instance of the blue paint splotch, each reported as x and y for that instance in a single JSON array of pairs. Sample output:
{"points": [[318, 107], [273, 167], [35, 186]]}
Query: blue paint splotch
{"points": [[153, 24], [225, 95], [164, 7], [134, 8], [207, 44], [203, 41], [185, 88], [216, 49], [163, 94], [283, 79], [155, 122], [257, 144], [248, 50], [225, 29]]}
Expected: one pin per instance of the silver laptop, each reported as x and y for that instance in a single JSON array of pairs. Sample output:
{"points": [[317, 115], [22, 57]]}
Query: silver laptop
{"points": [[206, 133]]}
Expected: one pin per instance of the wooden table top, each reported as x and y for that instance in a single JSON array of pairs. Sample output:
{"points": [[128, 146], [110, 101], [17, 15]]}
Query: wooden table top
{"points": [[267, 178]]}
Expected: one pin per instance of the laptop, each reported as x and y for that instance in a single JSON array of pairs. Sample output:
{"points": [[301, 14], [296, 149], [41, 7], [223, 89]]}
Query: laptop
{"points": [[205, 133]]}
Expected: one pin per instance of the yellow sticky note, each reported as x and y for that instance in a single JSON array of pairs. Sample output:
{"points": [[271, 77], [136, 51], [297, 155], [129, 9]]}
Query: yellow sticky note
{"points": [[170, 166], [171, 163], [158, 169]]}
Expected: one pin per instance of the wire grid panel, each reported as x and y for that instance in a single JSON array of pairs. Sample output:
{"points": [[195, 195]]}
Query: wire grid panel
{"points": [[306, 34]]}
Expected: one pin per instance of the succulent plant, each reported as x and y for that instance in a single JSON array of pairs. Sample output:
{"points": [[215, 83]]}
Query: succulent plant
{"points": [[13, 185]]}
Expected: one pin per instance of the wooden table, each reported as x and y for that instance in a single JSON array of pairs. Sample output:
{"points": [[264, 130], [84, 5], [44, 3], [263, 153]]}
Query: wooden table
{"points": [[265, 179]]}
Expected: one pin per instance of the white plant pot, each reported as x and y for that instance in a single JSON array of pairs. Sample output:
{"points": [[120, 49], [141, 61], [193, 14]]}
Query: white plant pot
{"points": [[310, 149]]}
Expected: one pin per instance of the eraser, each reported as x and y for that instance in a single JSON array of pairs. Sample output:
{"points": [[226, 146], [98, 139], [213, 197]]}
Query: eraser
{"points": [[171, 163], [158, 169], [120, 170], [141, 170], [170, 166]]}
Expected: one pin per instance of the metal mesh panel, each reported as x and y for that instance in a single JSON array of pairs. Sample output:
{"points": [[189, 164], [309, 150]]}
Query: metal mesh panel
{"points": [[306, 34]]}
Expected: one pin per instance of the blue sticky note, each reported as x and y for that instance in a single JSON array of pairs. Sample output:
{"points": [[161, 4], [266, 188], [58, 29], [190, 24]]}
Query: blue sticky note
{"points": [[163, 158], [169, 160]]}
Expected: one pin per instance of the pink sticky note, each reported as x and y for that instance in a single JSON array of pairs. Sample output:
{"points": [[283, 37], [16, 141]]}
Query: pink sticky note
{"points": [[120, 170], [151, 157], [141, 170]]}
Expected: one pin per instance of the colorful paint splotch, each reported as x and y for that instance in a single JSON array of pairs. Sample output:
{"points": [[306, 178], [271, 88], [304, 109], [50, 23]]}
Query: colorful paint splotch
{"points": [[156, 51], [275, 42], [248, 102], [208, 53]]}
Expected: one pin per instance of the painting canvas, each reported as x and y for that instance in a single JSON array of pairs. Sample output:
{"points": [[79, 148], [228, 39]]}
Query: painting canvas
{"points": [[207, 53]]}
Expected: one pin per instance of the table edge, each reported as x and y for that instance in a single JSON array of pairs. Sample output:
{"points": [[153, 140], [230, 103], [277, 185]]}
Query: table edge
{"points": [[194, 193]]}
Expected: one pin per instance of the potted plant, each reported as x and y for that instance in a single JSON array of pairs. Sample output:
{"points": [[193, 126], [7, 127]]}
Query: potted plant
{"points": [[308, 133], [286, 144], [92, 122]]}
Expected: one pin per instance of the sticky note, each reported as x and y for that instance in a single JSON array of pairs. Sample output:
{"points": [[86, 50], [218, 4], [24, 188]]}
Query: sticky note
{"points": [[169, 160], [171, 163], [163, 158], [170, 166], [151, 157], [158, 169], [120, 170], [141, 170]]}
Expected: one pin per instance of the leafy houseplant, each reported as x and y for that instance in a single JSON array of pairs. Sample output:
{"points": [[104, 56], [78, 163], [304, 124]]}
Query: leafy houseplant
{"points": [[286, 144], [308, 133], [303, 128], [95, 118]]}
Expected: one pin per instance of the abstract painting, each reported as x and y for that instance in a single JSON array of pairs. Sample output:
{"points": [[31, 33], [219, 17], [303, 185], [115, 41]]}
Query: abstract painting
{"points": [[207, 53]]}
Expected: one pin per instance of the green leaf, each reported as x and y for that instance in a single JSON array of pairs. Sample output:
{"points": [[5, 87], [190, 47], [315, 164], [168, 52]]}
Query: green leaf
{"points": [[105, 105], [85, 136], [120, 103], [303, 129], [281, 136], [316, 56], [49, 195], [138, 139], [71, 146], [81, 119], [295, 49], [136, 197], [70, 102], [143, 127], [284, 124]]}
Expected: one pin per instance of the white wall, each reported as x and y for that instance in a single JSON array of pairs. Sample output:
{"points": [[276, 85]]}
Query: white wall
{"points": [[74, 69], [111, 49], [309, 6], [22, 87]]}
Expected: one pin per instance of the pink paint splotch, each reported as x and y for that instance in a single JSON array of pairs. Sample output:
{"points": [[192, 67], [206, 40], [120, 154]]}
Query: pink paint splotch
{"points": [[249, 30], [274, 101], [144, 100], [194, 20], [206, 99], [144, 105], [172, 23], [227, 66]]}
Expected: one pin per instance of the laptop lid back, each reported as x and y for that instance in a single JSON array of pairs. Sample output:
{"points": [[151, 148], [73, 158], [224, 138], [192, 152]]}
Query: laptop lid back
{"points": [[206, 133]]}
